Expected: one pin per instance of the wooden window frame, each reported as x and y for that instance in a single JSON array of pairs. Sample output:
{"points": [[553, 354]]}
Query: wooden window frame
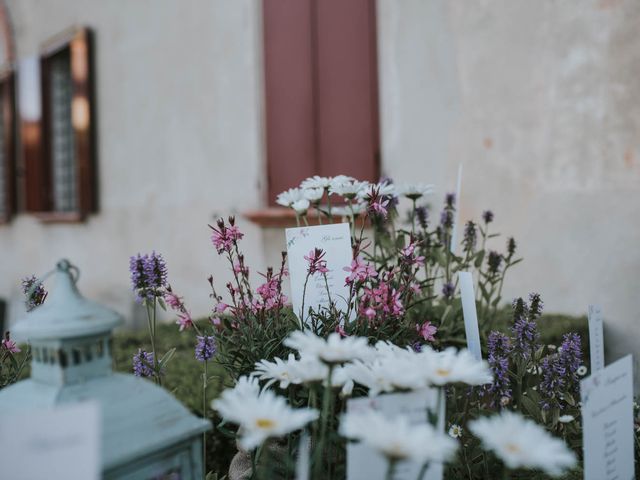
{"points": [[8, 112], [79, 42]]}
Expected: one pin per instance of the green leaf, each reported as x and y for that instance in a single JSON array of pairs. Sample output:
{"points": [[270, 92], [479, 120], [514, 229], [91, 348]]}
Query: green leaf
{"points": [[166, 357], [162, 304], [479, 258]]}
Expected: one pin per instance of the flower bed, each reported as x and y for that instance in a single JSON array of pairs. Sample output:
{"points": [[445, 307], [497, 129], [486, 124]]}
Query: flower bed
{"points": [[294, 373]]}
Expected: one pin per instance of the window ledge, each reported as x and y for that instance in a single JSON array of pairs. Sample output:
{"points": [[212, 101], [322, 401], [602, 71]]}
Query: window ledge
{"points": [[278, 217], [60, 217]]}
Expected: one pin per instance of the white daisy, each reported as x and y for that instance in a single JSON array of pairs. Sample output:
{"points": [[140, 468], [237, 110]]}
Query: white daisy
{"points": [[301, 206], [385, 189], [582, 370], [397, 438], [455, 431], [309, 370], [347, 189], [313, 194], [451, 366], [316, 182], [338, 180], [388, 374], [289, 197], [276, 371], [333, 350], [261, 417], [521, 443], [415, 191]]}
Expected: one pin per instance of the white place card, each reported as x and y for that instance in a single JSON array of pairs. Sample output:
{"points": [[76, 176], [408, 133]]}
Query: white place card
{"points": [[59, 443], [470, 314], [607, 422], [335, 241], [363, 463], [596, 338]]}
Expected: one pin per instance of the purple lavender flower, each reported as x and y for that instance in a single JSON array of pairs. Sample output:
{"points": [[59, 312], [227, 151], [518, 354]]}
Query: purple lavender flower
{"points": [[525, 336], [422, 215], [511, 247], [205, 348], [35, 297], [148, 275], [448, 290], [470, 237], [553, 382], [498, 344], [450, 200], [494, 259], [499, 347], [535, 306], [571, 353], [156, 270], [143, 364], [487, 216], [446, 219]]}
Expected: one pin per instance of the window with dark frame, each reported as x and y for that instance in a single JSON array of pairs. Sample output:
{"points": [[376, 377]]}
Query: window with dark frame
{"points": [[321, 90], [60, 162]]}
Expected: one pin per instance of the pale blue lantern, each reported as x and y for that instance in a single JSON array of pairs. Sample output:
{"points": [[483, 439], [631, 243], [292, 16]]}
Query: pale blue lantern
{"points": [[146, 433]]}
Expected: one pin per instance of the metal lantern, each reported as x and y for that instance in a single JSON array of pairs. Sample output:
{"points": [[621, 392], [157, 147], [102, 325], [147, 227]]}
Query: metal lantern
{"points": [[146, 432]]}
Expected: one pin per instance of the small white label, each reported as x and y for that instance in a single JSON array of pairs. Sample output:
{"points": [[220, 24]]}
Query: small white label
{"points": [[607, 422], [470, 315], [596, 338]]}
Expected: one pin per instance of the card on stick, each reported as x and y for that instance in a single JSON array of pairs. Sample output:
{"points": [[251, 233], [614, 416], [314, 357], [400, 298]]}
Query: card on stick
{"points": [[363, 463], [335, 241], [596, 338], [607, 422], [470, 314]]}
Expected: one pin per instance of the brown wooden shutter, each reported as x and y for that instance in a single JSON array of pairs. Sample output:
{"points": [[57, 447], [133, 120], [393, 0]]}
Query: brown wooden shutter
{"points": [[321, 90], [7, 147], [347, 92]]}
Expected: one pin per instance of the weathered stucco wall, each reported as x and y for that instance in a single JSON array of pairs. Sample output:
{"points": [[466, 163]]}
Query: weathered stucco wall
{"points": [[179, 132], [538, 100], [541, 103]]}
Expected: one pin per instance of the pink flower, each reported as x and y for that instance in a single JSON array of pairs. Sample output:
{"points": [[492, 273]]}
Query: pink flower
{"points": [[370, 313], [409, 256], [216, 321], [184, 320], [360, 271], [340, 330], [221, 307], [225, 237], [172, 300], [316, 261], [379, 207], [10, 345], [427, 331]]}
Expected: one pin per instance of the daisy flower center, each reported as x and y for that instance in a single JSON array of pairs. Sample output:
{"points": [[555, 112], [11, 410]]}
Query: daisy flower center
{"points": [[265, 423], [512, 448], [443, 372]]}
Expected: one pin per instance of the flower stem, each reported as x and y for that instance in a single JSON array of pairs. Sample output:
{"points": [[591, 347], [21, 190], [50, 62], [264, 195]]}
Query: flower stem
{"points": [[391, 468], [204, 415], [423, 471]]}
